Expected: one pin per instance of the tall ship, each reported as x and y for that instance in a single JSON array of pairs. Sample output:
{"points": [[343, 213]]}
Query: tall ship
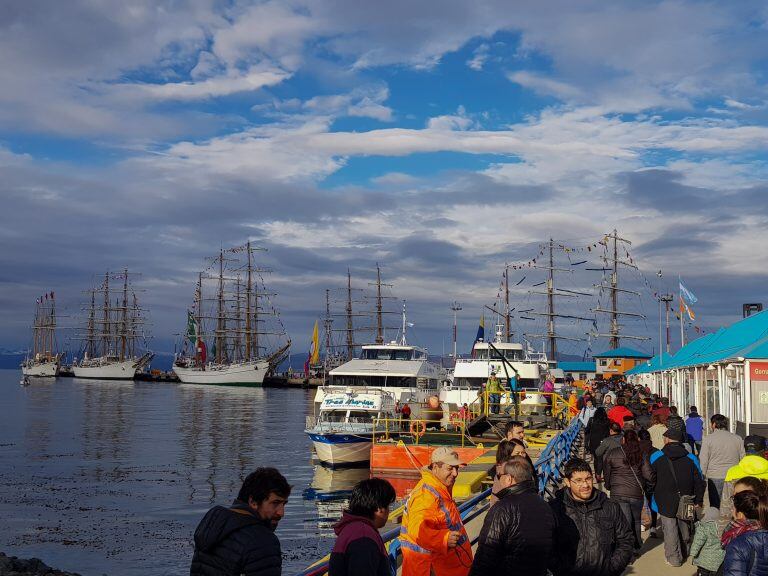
{"points": [[232, 316], [43, 359], [114, 341]]}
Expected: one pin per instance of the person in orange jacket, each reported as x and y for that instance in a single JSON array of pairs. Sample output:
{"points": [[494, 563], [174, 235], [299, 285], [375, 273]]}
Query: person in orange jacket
{"points": [[432, 536]]}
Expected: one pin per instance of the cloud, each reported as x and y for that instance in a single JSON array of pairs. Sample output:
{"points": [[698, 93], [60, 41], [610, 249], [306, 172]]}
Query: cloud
{"points": [[479, 57]]}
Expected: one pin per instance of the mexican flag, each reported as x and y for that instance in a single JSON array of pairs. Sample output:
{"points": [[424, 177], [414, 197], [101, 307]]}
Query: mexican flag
{"points": [[192, 330]]}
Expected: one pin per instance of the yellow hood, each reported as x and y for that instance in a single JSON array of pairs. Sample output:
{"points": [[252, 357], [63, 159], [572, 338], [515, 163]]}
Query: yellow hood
{"points": [[751, 465]]}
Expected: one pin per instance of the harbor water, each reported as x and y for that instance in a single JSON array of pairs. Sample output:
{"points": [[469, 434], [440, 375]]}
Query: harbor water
{"points": [[103, 477]]}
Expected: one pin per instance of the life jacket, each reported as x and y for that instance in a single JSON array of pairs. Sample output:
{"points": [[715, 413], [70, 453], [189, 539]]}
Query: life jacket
{"points": [[430, 514]]}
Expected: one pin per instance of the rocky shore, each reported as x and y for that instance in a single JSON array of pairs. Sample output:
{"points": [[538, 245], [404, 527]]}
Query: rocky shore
{"points": [[12, 566]]}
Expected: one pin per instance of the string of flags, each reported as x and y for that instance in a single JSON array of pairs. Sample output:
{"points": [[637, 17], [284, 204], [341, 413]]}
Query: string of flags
{"points": [[44, 298]]}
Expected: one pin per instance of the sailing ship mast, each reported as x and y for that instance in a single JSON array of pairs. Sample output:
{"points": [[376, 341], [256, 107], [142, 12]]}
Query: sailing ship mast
{"points": [[612, 263], [552, 292], [350, 325]]}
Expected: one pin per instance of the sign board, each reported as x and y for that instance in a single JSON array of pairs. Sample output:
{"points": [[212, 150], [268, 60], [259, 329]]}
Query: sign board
{"points": [[346, 401], [758, 370], [763, 397]]}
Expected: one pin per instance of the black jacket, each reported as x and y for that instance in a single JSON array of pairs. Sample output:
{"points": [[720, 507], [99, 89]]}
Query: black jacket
{"points": [[234, 541], [689, 479], [606, 446], [594, 537], [623, 480], [517, 536], [595, 433]]}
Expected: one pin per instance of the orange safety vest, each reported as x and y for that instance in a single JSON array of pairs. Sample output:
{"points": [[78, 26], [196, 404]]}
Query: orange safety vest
{"points": [[430, 514]]}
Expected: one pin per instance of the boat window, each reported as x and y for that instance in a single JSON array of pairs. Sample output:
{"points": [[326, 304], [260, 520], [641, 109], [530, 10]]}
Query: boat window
{"points": [[401, 355], [359, 416], [334, 415], [514, 354], [481, 354]]}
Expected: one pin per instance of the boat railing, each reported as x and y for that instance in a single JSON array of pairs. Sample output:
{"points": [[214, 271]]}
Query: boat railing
{"points": [[524, 402], [420, 430], [548, 468]]}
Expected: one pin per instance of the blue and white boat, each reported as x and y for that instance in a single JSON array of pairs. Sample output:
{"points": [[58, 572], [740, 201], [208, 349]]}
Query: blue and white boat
{"points": [[342, 432]]}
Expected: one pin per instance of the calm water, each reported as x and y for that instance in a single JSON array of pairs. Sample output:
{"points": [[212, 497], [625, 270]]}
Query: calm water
{"points": [[112, 478]]}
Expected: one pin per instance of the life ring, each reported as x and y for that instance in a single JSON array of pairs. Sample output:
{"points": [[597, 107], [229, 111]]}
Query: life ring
{"points": [[418, 428]]}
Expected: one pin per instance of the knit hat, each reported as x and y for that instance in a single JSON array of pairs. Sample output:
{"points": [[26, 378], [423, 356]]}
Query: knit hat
{"points": [[711, 514]]}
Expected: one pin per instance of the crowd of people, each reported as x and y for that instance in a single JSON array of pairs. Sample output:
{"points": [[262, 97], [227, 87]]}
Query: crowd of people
{"points": [[645, 469]]}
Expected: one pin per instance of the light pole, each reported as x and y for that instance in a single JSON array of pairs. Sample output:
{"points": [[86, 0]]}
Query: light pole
{"points": [[455, 307]]}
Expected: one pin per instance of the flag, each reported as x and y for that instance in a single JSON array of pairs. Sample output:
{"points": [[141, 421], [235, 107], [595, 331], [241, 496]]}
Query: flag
{"points": [[687, 294], [202, 352], [687, 309], [314, 351], [481, 329], [480, 333], [191, 327]]}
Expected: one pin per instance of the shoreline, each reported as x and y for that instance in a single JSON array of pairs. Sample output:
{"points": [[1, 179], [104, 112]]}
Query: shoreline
{"points": [[15, 566]]}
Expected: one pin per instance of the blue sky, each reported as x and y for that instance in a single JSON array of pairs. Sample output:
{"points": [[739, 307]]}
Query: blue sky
{"points": [[441, 139]]}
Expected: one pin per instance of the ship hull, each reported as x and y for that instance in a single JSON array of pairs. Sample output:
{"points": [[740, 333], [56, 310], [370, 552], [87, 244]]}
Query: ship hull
{"points": [[124, 370], [41, 370], [342, 449], [248, 374]]}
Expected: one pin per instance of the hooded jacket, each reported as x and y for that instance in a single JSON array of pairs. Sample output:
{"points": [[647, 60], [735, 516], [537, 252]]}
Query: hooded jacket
{"points": [[747, 555], [234, 541], [518, 535], [359, 549], [689, 478], [606, 446], [705, 548], [594, 537]]}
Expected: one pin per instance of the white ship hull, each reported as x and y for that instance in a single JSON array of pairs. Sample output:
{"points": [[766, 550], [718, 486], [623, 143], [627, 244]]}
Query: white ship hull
{"points": [[41, 370], [118, 370], [246, 374], [343, 454]]}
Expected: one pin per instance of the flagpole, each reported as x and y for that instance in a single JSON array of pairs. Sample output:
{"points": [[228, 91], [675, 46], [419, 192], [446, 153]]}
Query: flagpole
{"points": [[680, 306]]}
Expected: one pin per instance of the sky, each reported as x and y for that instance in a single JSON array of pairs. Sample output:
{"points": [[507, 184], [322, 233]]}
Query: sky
{"points": [[442, 140]]}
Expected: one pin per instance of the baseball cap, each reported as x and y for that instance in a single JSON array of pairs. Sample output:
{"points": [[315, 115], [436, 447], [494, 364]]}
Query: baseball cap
{"points": [[675, 434], [446, 456], [754, 444]]}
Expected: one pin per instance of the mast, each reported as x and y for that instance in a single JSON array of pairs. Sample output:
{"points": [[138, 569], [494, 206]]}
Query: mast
{"points": [[614, 332], [551, 304], [456, 307], [220, 311], [36, 330], [106, 336], [199, 314], [91, 342], [124, 319], [328, 322], [552, 292], [236, 353], [248, 297], [379, 323], [350, 326], [507, 323], [403, 341]]}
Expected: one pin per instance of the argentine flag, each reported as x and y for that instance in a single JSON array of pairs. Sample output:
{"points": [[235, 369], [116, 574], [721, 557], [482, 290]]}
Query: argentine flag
{"points": [[687, 294]]}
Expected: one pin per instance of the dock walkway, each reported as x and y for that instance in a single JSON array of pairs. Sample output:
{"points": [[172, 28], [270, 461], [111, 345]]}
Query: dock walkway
{"points": [[652, 561]]}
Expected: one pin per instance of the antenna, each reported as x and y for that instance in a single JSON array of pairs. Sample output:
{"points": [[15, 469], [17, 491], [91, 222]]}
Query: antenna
{"points": [[456, 307]]}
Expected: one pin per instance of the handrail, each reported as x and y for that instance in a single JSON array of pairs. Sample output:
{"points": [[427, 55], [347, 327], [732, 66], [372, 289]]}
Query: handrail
{"points": [[385, 429], [548, 467]]}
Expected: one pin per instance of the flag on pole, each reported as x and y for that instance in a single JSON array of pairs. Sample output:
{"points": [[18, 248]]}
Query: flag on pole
{"points": [[314, 350], [687, 294], [191, 328], [481, 329], [684, 307]]}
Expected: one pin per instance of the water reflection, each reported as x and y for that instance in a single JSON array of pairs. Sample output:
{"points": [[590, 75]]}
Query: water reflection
{"points": [[130, 468]]}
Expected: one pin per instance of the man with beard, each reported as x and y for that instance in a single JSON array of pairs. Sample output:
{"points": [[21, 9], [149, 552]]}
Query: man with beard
{"points": [[241, 539], [594, 537]]}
